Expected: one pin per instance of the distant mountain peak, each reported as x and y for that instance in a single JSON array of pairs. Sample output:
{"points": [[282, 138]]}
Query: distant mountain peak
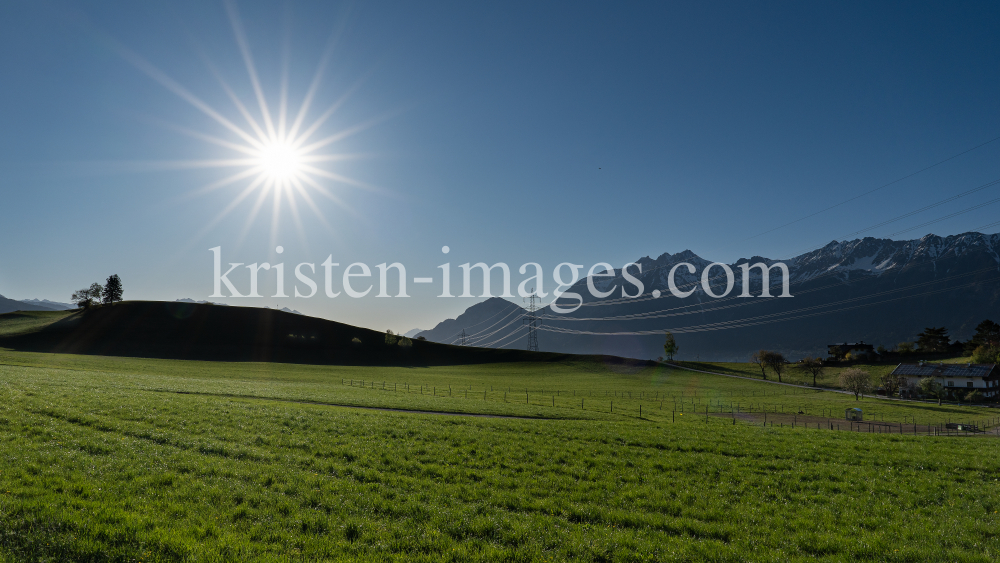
{"points": [[682, 256], [10, 305], [480, 322], [54, 305]]}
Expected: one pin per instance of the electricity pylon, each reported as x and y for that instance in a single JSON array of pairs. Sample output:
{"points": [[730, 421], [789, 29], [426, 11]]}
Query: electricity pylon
{"points": [[532, 321]]}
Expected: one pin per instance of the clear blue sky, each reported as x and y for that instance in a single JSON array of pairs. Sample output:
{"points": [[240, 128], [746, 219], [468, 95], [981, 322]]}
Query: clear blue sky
{"points": [[510, 132]]}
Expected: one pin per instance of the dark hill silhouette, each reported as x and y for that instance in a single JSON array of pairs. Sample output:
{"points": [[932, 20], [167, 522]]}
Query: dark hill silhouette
{"points": [[193, 331]]}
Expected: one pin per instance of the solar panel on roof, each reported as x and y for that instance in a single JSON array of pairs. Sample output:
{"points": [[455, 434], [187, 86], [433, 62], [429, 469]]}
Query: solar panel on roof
{"points": [[948, 370], [913, 369]]}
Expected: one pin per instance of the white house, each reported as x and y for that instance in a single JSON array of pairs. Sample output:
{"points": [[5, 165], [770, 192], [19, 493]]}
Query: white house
{"points": [[966, 377]]}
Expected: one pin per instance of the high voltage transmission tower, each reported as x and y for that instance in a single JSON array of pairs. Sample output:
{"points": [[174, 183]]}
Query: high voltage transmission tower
{"points": [[532, 321], [463, 337]]}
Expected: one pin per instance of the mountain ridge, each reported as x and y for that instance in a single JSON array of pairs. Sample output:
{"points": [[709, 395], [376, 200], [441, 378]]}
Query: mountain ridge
{"points": [[54, 305], [877, 290], [10, 305]]}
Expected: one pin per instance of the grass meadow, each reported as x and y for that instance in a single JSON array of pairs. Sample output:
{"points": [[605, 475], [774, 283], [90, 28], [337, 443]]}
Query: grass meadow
{"points": [[120, 459]]}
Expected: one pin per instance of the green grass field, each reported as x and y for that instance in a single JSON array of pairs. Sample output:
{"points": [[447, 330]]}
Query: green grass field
{"points": [[29, 321], [122, 459]]}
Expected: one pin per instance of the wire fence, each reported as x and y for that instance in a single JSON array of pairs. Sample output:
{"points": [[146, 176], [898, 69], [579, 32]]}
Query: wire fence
{"points": [[680, 406]]}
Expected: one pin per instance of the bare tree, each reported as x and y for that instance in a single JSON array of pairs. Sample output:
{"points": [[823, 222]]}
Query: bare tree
{"points": [[776, 361], [856, 380], [758, 358], [813, 366]]}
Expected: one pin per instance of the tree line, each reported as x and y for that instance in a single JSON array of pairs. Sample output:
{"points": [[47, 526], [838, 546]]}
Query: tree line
{"points": [[984, 346], [108, 294], [860, 382]]}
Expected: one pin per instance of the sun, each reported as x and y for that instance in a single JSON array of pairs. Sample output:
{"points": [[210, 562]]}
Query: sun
{"points": [[275, 151], [280, 161]]}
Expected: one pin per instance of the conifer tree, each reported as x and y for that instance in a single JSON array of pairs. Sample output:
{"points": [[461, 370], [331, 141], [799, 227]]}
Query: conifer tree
{"points": [[113, 290]]}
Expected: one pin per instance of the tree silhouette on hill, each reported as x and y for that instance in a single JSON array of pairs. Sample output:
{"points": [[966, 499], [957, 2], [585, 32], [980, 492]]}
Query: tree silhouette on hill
{"points": [[86, 297], [113, 290]]}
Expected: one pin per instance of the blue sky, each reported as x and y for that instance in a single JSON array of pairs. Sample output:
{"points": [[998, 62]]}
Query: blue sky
{"points": [[510, 132]]}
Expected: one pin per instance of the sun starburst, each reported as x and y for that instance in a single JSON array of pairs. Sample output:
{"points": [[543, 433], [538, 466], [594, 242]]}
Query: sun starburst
{"points": [[273, 156]]}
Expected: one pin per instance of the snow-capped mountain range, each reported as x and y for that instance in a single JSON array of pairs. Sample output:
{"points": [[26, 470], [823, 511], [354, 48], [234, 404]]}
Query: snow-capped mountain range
{"points": [[877, 290], [10, 305], [837, 260]]}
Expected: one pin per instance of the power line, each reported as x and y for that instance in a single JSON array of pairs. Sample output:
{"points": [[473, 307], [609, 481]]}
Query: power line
{"points": [[736, 323], [477, 337], [980, 229], [455, 336], [770, 318], [910, 214], [517, 330], [846, 201], [949, 216], [720, 304], [654, 314], [606, 302]]}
